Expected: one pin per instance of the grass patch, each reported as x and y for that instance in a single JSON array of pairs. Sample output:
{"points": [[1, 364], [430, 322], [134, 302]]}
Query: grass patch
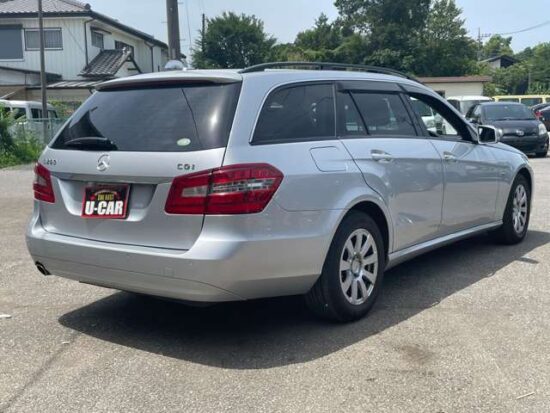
{"points": [[17, 145]]}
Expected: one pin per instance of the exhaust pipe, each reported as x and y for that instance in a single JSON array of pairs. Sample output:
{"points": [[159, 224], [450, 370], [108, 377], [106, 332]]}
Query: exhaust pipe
{"points": [[40, 267]]}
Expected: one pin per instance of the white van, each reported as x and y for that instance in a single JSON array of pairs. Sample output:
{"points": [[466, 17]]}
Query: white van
{"points": [[464, 103], [29, 109]]}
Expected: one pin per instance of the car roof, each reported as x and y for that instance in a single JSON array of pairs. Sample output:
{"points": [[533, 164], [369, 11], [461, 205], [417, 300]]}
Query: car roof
{"points": [[270, 76], [23, 103], [501, 104]]}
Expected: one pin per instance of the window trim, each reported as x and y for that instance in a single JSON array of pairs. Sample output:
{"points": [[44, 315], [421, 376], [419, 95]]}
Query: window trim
{"points": [[97, 32], [289, 85], [379, 91], [46, 29]]}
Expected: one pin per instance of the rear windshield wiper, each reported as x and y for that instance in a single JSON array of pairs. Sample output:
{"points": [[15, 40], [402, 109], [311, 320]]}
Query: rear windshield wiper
{"points": [[91, 143]]}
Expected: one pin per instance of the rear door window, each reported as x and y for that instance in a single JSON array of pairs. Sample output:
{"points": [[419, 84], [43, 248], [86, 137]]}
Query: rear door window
{"points": [[384, 114], [157, 119], [349, 121], [297, 113]]}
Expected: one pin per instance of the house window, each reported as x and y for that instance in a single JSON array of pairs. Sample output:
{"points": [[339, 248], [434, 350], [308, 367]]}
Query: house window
{"points": [[122, 45], [53, 40], [11, 42], [97, 40]]}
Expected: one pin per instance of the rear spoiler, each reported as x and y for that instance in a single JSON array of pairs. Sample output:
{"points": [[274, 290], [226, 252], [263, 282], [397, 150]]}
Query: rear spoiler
{"points": [[172, 79]]}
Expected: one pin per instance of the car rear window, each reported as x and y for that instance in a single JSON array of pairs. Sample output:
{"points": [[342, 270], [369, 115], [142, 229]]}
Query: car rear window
{"points": [[157, 119], [508, 112]]}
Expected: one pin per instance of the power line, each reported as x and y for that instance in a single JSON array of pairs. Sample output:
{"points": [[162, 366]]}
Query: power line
{"points": [[537, 26], [188, 25]]}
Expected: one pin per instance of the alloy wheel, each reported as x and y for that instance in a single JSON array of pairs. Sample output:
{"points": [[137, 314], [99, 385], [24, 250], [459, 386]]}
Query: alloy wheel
{"points": [[519, 209], [358, 266]]}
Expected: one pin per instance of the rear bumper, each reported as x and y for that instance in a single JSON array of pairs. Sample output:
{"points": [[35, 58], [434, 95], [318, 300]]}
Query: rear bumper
{"points": [[224, 264]]}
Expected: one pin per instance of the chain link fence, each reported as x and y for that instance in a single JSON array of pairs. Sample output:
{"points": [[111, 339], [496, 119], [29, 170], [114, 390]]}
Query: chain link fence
{"points": [[34, 128]]}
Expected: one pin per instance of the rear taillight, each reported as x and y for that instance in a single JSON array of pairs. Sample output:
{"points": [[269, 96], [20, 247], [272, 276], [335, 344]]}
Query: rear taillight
{"points": [[235, 189], [42, 186]]}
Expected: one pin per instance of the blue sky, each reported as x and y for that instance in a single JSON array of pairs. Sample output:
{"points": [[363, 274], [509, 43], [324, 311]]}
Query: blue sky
{"points": [[285, 18]]}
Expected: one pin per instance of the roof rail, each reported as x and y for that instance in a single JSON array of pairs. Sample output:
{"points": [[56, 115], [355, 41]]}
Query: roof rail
{"points": [[327, 66]]}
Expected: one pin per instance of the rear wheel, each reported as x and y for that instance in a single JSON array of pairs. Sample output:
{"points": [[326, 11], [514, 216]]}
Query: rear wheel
{"points": [[353, 271], [516, 215]]}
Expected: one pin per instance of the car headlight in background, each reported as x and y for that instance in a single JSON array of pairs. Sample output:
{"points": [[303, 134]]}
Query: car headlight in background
{"points": [[542, 129]]}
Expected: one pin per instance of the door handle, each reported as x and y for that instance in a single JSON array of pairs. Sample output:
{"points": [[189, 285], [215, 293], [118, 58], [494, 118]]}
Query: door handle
{"points": [[381, 156], [449, 157]]}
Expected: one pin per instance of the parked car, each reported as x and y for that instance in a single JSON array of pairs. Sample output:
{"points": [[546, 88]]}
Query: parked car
{"points": [[464, 103], [214, 186], [28, 109], [538, 108], [544, 116], [521, 129]]}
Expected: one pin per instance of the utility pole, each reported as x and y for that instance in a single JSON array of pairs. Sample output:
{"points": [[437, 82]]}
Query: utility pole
{"points": [[43, 79], [480, 37], [173, 29]]}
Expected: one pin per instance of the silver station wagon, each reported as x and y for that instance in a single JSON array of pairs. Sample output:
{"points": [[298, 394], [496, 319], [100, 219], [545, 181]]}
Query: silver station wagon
{"points": [[279, 179]]}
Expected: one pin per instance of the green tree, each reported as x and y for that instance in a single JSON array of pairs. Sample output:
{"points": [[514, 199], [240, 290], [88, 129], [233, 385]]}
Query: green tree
{"points": [[539, 69], [497, 46], [392, 28], [513, 80], [530, 75], [445, 41], [322, 36], [232, 41], [320, 43]]}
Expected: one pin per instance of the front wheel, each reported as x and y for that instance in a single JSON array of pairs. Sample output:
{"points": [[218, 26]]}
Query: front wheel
{"points": [[516, 215], [352, 273]]}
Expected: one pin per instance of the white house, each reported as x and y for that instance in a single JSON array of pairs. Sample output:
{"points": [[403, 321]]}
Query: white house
{"points": [[457, 85], [83, 48]]}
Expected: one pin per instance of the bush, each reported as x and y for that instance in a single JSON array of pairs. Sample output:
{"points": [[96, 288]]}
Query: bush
{"points": [[17, 145]]}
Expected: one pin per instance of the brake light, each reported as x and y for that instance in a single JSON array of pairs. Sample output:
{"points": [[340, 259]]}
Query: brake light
{"points": [[42, 186], [235, 189]]}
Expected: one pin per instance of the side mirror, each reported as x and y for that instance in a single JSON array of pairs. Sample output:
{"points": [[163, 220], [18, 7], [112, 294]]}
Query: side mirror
{"points": [[489, 134]]}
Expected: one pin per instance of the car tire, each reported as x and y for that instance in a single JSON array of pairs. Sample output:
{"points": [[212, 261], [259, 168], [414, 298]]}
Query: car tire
{"points": [[513, 231], [353, 271]]}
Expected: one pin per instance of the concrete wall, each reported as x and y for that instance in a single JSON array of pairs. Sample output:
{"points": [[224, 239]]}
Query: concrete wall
{"points": [[458, 89]]}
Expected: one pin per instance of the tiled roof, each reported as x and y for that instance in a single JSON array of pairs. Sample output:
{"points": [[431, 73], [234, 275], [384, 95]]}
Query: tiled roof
{"points": [[107, 63], [49, 6], [75, 84]]}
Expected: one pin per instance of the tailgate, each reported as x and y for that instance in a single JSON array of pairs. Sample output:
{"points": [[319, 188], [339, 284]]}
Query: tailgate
{"points": [[138, 139], [149, 176]]}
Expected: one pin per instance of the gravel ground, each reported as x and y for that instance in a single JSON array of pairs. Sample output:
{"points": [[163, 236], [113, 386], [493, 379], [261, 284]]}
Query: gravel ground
{"points": [[465, 328]]}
